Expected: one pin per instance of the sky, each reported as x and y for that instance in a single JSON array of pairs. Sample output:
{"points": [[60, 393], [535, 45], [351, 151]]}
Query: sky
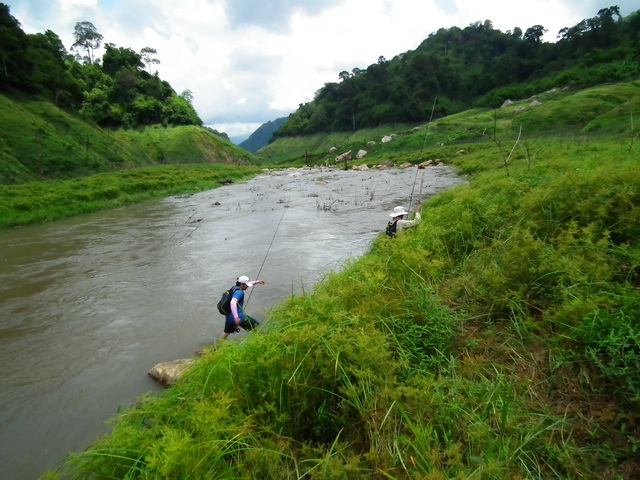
{"points": [[247, 62]]}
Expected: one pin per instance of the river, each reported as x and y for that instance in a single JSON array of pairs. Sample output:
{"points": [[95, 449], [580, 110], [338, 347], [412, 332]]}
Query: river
{"points": [[89, 304]]}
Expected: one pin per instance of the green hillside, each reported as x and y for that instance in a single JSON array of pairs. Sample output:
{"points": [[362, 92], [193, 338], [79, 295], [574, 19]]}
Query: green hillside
{"points": [[54, 165], [455, 69], [595, 112], [40, 141]]}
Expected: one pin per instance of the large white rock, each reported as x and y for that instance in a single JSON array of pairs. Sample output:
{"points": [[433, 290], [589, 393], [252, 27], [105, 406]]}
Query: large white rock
{"points": [[168, 373]]}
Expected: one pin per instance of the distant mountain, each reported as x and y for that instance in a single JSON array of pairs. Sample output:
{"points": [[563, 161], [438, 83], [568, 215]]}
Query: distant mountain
{"points": [[262, 135], [240, 138]]}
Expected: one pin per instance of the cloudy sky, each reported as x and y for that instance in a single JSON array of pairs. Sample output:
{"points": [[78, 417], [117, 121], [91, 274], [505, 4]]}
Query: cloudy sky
{"points": [[250, 61]]}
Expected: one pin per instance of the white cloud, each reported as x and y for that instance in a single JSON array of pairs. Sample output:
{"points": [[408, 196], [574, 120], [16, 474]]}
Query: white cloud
{"points": [[247, 61]]}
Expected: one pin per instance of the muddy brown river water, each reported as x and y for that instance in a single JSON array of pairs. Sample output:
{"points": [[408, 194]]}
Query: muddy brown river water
{"points": [[88, 305]]}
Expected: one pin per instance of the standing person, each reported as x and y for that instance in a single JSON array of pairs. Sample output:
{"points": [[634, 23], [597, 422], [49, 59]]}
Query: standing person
{"points": [[398, 223], [236, 318]]}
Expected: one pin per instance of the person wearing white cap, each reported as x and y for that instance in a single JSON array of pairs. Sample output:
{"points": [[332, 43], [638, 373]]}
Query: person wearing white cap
{"points": [[398, 223], [236, 318]]}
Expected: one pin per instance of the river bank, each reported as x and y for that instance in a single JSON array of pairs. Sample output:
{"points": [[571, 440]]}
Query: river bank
{"points": [[92, 302], [497, 339]]}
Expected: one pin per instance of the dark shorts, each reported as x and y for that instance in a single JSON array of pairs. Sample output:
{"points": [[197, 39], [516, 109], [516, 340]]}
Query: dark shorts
{"points": [[247, 324]]}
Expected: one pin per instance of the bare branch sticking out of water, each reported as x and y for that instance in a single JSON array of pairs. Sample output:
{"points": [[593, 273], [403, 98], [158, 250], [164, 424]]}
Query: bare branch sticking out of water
{"points": [[326, 207]]}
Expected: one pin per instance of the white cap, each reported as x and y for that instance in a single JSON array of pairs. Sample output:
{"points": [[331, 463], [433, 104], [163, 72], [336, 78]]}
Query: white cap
{"points": [[398, 211], [243, 279]]}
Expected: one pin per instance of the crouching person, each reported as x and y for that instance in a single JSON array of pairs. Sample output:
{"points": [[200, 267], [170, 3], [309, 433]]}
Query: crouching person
{"points": [[237, 318]]}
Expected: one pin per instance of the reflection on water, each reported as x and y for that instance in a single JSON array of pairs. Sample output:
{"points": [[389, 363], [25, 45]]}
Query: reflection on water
{"points": [[88, 305]]}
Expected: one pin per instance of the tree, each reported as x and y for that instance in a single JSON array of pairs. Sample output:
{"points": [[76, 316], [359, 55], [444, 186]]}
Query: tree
{"points": [[148, 57], [14, 66], [116, 59], [517, 33], [87, 38], [535, 33], [178, 111], [49, 74], [188, 96]]}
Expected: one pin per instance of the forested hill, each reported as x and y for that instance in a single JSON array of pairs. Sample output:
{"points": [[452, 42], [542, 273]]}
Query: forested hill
{"points": [[116, 90], [66, 115], [455, 69]]}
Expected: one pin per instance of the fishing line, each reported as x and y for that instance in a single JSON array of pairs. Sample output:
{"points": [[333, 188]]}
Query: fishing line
{"points": [[267, 254], [424, 142], [412, 189]]}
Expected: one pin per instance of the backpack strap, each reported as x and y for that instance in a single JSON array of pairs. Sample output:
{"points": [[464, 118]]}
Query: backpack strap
{"points": [[233, 290], [392, 227]]}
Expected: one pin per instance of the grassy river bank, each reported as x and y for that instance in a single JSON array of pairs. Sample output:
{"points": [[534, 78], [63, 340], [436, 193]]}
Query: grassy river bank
{"points": [[43, 201], [500, 339]]}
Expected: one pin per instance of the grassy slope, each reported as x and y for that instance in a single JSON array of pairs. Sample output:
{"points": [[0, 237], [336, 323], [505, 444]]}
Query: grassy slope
{"points": [[186, 145], [499, 340], [53, 165], [313, 149], [40, 141], [607, 109]]}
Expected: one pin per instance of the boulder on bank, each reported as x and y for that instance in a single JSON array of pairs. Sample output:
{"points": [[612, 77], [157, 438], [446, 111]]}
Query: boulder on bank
{"points": [[360, 168], [344, 156], [168, 373]]}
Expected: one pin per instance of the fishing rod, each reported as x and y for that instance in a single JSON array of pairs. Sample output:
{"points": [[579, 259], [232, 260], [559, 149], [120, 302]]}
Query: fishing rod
{"points": [[424, 142], [267, 254], [412, 189]]}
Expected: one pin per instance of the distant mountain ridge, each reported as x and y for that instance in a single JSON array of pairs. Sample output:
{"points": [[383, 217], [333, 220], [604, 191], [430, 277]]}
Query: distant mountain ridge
{"points": [[260, 138]]}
